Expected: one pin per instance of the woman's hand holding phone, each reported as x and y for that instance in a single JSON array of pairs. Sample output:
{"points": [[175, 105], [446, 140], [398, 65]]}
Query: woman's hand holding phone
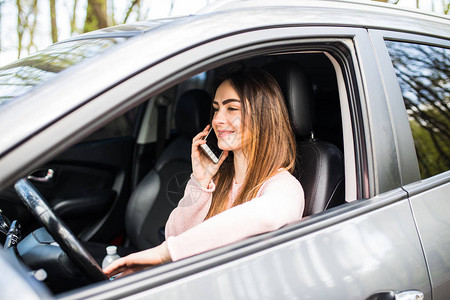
{"points": [[203, 167]]}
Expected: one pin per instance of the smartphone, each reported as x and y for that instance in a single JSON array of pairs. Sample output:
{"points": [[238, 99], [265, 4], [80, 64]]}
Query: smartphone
{"points": [[210, 148]]}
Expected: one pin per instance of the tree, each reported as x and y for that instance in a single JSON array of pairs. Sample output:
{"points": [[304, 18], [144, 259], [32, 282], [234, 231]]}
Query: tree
{"points": [[424, 75], [26, 22], [54, 28], [130, 9], [96, 15]]}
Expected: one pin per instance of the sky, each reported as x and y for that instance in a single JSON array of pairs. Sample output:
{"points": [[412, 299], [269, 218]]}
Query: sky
{"points": [[153, 9]]}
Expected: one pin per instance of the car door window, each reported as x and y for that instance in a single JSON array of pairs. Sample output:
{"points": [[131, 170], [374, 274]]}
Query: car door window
{"points": [[423, 73]]}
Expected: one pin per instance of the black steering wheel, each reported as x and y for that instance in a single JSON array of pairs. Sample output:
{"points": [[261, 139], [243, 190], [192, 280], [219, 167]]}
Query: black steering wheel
{"points": [[56, 227]]}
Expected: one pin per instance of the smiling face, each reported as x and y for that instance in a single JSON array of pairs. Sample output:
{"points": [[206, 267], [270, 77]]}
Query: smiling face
{"points": [[227, 119]]}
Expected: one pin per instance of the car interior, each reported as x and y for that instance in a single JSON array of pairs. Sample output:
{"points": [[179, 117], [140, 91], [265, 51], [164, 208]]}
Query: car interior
{"points": [[119, 185]]}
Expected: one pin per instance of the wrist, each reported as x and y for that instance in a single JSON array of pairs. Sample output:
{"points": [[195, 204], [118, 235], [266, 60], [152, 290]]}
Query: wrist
{"points": [[164, 253], [204, 183]]}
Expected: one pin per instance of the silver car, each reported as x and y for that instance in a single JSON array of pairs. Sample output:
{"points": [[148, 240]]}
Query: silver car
{"points": [[95, 149]]}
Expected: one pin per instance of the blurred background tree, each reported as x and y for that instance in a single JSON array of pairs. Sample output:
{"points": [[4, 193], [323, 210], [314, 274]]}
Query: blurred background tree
{"points": [[96, 15], [423, 73], [27, 11], [42, 22]]}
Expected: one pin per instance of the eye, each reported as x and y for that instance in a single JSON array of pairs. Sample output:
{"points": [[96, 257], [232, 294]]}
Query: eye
{"points": [[232, 108], [215, 109]]}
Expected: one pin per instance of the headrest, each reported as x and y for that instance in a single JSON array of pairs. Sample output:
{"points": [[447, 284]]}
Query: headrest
{"points": [[297, 92], [192, 112]]}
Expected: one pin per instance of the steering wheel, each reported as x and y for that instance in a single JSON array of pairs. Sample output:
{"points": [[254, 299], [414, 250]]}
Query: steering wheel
{"points": [[59, 231]]}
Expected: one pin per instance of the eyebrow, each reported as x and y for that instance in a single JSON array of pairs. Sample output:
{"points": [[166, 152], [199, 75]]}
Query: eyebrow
{"points": [[226, 101]]}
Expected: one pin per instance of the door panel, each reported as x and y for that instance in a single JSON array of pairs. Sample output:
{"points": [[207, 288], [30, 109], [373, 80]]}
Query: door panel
{"points": [[373, 247], [431, 207], [91, 185], [88, 189]]}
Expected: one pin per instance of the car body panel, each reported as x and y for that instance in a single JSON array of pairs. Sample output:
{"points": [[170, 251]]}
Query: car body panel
{"points": [[431, 207], [354, 256], [377, 127]]}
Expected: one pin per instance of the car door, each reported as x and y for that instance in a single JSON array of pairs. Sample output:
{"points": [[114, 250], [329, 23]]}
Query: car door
{"points": [[356, 250], [418, 69]]}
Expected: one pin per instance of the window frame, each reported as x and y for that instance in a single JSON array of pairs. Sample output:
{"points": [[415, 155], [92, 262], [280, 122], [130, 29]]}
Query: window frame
{"points": [[233, 48], [406, 155]]}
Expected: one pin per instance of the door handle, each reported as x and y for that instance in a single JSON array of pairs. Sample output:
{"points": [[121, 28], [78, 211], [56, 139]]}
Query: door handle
{"points": [[398, 295], [409, 295], [46, 176]]}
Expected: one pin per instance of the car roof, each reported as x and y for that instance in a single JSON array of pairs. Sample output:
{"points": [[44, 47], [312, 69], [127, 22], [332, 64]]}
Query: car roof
{"points": [[226, 5], [366, 13], [123, 30]]}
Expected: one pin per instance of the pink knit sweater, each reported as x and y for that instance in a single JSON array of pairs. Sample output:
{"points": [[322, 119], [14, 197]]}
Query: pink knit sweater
{"points": [[279, 201]]}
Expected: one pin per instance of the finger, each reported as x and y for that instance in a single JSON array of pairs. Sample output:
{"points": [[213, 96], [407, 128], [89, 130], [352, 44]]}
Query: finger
{"points": [[115, 267], [198, 142], [113, 271], [125, 273], [195, 151], [201, 134]]}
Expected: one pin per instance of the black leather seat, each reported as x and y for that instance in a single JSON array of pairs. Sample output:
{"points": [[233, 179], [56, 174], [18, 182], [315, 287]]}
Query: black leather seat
{"points": [[160, 190], [320, 165], [158, 193]]}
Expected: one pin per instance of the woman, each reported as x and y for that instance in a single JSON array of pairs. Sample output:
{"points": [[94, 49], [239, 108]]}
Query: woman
{"points": [[248, 192]]}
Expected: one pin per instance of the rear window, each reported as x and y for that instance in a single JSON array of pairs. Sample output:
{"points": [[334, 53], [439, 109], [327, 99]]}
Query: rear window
{"points": [[423, 73]]}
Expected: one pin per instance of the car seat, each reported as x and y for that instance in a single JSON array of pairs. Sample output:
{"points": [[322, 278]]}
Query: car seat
{"points": [[158, 193], [160, 190], [320, 165]]}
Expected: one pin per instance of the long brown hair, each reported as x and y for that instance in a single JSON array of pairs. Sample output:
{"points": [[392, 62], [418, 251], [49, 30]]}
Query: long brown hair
{"points": [[269, 145]]}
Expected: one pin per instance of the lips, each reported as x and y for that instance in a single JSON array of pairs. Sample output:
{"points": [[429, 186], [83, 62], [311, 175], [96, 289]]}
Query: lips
{"points": [[223, 133]]}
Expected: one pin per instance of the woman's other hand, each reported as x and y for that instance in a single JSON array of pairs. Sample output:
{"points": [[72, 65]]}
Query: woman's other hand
{"points": [[138, 261], [204, 168]]}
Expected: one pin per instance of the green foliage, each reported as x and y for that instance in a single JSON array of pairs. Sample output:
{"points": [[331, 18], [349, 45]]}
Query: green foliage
{"points": [[432, 146], [423, 73]]}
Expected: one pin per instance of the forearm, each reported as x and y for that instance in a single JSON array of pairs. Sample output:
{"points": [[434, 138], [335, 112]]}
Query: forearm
{"points": [[139, 261], [232, 225], [281, 203], [191, 209]]}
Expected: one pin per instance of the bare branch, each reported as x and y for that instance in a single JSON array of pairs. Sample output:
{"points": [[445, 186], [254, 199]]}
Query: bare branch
{"points": [[130, 9]]}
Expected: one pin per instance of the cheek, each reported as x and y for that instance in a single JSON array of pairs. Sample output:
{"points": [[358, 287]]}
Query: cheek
{"points": [[214, 120], [236, 122]]}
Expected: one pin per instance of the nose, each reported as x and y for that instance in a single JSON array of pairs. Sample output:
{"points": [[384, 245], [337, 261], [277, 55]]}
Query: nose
{"points": [[218, 118]]}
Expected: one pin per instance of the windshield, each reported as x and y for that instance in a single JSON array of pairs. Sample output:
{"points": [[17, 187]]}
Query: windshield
{"points": [[19, 77]]}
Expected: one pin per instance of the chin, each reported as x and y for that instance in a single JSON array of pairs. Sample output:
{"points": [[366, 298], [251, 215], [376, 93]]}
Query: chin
{"points": [[225, 146]]}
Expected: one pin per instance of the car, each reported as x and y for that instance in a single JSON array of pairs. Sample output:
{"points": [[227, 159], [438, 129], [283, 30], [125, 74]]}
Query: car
{"points": [[95, 149]]}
